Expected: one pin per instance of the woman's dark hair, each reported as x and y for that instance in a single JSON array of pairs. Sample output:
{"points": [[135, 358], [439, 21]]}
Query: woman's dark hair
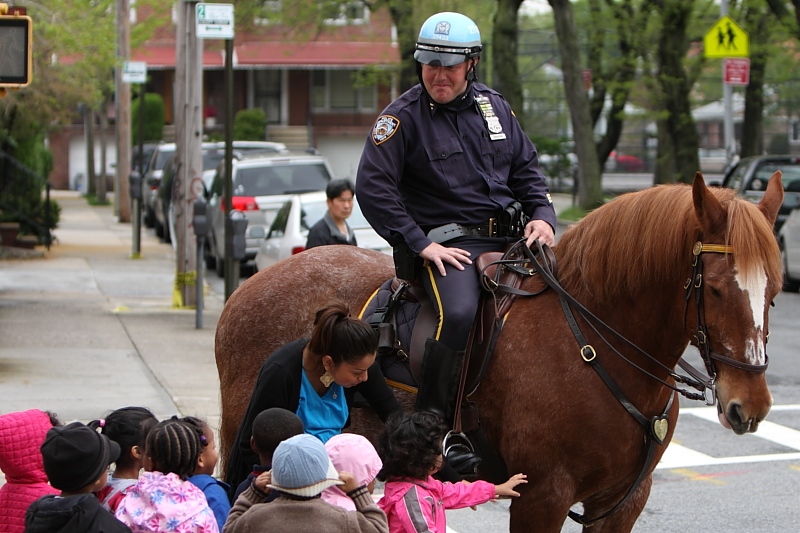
{"points": [[410, 444], [174, 446], [54, 420], [343, 337], [128, 427], [335, 188]]}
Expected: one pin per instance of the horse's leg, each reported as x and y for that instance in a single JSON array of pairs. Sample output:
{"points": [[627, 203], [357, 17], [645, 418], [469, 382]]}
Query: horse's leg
{"points": [[623, 519], [542, 510]]}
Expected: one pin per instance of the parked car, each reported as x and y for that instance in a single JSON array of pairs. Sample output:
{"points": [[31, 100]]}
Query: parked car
{"points": [[262, 183], [750, 176], [789, 238], [618, 162], [289, 230], [152, 179]]}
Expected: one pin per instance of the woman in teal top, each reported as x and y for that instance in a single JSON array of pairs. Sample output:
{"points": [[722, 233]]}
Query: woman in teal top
{"points": [[317, 379]]}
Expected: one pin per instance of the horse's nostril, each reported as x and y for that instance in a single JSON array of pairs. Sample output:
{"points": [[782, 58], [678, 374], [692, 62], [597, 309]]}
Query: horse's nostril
{"points": [[736, 417]]}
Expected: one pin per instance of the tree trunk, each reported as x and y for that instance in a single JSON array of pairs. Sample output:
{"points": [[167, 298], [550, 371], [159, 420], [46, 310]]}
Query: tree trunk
{"points": [[402, 12], [665, 156], [90, 174], [504, 56], [102, 180], [753, 127], [676, 87], [590, 194]]}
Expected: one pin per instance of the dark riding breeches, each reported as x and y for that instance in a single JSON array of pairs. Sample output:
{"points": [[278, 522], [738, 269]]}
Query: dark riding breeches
{"points": [[455, 296]]}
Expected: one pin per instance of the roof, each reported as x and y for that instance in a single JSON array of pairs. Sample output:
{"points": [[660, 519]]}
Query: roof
{"points": [[255, 55]]}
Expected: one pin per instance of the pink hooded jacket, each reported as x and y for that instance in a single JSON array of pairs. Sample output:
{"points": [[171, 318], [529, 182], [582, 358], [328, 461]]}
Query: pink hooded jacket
{"points": [[21, 435], [355, 454], [418, 506]]}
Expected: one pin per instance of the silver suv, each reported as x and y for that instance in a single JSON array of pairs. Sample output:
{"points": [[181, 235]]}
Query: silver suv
{"points": [[262, 183]]}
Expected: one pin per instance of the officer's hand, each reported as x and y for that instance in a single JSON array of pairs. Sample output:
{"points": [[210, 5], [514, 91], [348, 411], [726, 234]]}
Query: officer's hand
{"points": [[539, 229], [438, 255]]}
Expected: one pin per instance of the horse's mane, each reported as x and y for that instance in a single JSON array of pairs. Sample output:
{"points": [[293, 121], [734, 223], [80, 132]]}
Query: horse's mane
{"points": [[645, 238]]}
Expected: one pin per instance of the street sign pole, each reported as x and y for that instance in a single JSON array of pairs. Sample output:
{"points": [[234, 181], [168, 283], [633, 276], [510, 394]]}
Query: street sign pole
{"points": [[727, 102]]}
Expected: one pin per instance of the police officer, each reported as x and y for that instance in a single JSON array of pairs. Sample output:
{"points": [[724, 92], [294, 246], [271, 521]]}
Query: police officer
{"points": [[442, 164]]}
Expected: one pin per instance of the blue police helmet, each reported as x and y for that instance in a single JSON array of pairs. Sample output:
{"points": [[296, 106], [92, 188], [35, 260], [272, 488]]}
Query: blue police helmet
{"points": [[447, 39]]}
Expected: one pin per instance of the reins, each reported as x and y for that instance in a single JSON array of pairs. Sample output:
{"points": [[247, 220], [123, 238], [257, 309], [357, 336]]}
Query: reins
{"points": [[656, 427]]}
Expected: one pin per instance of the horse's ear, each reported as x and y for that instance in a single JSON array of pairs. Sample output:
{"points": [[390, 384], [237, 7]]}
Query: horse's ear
{"points": [[773, 198], [708, 209]]}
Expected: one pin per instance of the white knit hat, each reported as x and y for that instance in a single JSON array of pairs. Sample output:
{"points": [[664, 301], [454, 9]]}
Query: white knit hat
{"points": [[301, 466]]}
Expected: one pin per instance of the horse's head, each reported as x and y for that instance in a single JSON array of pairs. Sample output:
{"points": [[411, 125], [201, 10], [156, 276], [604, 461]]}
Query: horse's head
{"points": [[739, 275]]}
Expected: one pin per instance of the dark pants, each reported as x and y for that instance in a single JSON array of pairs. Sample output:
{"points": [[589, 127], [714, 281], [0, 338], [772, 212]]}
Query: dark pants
{"points": [[455, 296]]}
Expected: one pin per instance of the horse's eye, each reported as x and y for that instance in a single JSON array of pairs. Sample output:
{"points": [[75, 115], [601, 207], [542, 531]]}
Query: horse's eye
{"points": [[715, 292]]}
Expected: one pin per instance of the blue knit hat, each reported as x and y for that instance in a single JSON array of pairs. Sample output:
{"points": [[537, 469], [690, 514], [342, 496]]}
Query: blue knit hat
{"points": [[301, 466]]}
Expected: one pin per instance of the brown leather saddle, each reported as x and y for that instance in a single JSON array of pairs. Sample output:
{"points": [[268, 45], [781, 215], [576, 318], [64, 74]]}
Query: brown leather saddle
{"points": [[501, 275]]}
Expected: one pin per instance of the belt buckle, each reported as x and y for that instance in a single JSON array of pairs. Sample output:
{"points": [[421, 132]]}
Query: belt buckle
{"points": [[492, 227]]}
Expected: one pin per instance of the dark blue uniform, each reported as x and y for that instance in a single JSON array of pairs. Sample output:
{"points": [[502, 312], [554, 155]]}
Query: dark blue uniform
{"points": [[426, 165]]}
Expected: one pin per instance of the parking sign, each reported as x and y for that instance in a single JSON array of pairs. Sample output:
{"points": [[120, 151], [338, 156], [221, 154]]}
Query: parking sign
{"points": [[214, 21]]}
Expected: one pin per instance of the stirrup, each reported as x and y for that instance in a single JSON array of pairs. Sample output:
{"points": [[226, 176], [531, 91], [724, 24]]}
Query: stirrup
{"points": [[460, 453]]}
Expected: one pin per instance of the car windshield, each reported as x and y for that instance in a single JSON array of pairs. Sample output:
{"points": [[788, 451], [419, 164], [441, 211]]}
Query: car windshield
{"points": [[163, 157], [212, 158], [314, 211], [790, 174], [280, 179]]}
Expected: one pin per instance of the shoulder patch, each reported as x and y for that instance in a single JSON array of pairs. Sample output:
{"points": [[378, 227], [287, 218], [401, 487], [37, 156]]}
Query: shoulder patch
{"points": [[384, 128]]}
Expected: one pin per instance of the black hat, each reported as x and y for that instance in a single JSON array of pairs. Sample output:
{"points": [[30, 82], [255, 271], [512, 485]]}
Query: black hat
{"points": [[75, 456]]}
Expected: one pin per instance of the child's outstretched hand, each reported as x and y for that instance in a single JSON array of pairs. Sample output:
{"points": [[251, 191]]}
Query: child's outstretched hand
{"points": [[350, 482], [507, 488]]}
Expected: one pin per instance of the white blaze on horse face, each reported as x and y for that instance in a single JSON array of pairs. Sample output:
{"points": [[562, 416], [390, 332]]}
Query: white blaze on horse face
{"points": [[756, 290]]}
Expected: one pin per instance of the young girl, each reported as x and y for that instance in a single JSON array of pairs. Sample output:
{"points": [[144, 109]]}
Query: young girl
{"points": [[355, 454], [21, 436], [163, 501], [216, 491], [411, 449], [128, 427]]}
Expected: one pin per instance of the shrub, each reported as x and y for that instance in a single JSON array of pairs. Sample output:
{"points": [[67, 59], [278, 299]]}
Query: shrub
{"points": [[153, 118], [250, 125]]}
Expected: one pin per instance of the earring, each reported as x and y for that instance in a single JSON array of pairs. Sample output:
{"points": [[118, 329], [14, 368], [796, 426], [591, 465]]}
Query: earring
{"points": [[326, 378]]}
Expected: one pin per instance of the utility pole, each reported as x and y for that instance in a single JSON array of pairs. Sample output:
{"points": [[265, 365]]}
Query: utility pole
{"points": [[122, 199], [188, 130]]}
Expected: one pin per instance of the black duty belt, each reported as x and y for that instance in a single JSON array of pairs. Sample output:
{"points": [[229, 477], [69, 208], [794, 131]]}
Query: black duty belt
{"points": [[490, 228]]}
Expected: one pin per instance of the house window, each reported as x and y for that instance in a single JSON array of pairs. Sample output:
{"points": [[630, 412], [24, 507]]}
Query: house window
{"points": [[267, 93], [333, 91], [344, 13]]}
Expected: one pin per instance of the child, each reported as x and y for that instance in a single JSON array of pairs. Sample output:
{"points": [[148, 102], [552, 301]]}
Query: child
{"points": [[128, 427], [216, 491], [163, 500], [76, 459], [301, 470], [355, 454], [411, 449], [270, 427], [21, 436]]}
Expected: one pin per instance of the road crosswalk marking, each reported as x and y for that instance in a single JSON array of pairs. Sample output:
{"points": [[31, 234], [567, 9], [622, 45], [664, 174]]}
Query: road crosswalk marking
{"points": [[679, 456]]}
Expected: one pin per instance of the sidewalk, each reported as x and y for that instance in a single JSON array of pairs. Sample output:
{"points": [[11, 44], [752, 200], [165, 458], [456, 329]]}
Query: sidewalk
{"points": [[85, 329]]}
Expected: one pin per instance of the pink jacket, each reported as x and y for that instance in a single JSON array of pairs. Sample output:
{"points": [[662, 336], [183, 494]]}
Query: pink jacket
{"points": [[161, 503], [418, 506], [21, 435]]}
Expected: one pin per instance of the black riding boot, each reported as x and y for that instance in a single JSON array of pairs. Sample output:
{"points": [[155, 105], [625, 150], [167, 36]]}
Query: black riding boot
{"points": [[437, 391]]}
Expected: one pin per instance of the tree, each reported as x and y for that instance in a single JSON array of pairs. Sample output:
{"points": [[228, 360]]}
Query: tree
{"points": [[504, 52], [590, 194], [757, 23]]}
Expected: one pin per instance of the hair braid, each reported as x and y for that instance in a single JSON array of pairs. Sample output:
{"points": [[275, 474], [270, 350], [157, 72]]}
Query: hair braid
{"points": [[174, 446]]}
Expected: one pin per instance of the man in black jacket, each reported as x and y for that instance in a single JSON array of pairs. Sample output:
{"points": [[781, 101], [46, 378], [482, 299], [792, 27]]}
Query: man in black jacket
{"points": [[333, 227]]}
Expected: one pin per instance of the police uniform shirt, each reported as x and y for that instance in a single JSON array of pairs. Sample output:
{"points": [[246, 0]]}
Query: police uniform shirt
{"points": [[425, 165]]}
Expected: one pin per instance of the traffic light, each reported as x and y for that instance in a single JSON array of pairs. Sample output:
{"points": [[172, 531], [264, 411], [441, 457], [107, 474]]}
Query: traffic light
{"points": [[16, 48]]}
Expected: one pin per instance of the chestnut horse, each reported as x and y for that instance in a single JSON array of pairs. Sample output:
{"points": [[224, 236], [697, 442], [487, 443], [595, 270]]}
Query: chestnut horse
{"points": [[545, 410]]}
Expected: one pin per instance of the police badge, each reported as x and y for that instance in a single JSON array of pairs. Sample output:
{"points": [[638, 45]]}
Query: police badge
{"points": [[385, 127]]}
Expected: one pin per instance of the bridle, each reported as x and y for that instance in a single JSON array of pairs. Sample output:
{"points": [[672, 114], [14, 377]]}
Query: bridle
{"points": [[703, 343], [656, 427]]}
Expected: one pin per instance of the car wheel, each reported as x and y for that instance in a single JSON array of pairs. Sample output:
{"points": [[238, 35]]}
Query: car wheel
{"points": [[159, 229], [211, 260], [149, 217], [789, 284]]}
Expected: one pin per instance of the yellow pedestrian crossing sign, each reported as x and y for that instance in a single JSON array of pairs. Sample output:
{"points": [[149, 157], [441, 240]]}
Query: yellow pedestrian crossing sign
{"points": [[726, 39]]}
